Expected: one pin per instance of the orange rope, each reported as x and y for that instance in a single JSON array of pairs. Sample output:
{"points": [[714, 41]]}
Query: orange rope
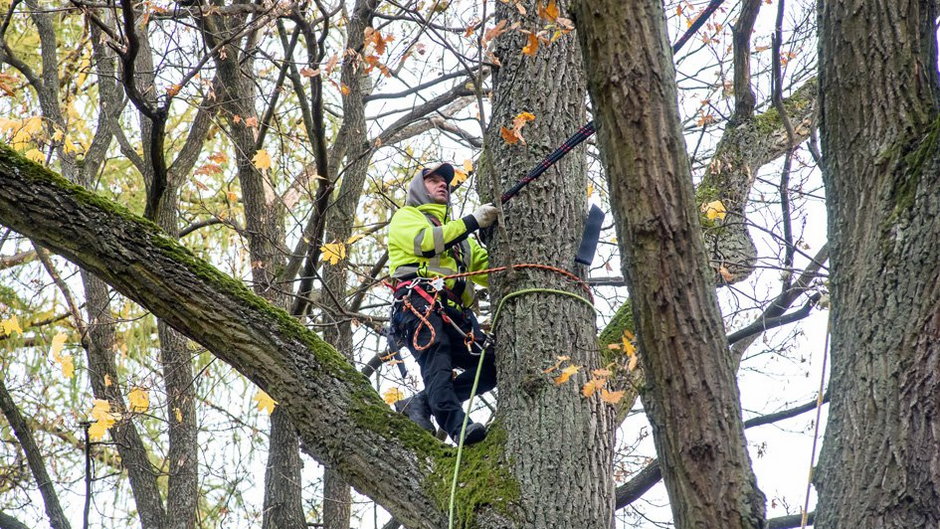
{"points": [[424, 323], [424, 317]]}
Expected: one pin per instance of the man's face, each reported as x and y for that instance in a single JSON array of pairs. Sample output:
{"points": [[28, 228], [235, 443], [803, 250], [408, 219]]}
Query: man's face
{"points": [[437, 188]]}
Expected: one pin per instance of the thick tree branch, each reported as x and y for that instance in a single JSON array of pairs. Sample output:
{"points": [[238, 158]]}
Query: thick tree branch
{"points": [[339, 416]]}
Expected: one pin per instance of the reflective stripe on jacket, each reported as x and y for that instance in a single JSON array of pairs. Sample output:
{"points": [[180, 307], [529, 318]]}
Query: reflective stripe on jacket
{"points": [[420, 247]]}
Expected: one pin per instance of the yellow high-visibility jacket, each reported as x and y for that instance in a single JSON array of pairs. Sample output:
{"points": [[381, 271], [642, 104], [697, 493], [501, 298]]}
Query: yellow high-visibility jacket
{"points": [[423, 242]]}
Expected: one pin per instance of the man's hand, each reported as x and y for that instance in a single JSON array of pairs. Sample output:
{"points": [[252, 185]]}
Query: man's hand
{"points": [[486, 215]]}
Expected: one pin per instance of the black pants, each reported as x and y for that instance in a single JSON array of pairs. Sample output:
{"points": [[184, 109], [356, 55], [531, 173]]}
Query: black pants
{"points": [[445, 392]]}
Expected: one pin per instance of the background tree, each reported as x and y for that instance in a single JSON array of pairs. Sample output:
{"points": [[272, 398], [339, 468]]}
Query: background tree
{"points": [[469, 34]]}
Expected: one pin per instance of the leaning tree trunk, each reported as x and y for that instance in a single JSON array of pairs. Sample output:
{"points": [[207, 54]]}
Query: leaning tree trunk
{"points": [[561, 443], [879, 465], [690, 393]]}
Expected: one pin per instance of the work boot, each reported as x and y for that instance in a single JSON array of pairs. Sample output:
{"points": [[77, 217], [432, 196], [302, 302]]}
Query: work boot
{"points": [[475, 433], [417, 409]]}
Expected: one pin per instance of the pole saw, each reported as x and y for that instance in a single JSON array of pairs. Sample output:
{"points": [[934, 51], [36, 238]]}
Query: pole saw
{"points": [[592, 226]]}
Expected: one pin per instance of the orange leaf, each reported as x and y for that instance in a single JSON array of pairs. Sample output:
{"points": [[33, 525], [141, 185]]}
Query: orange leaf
{"points": [[611, 397], [510, 136], [566, 374], [218, 157], [494, 32], [591, 386], [726, 274], [549, 12], [532, 45], [209, 168], [331, 63]]}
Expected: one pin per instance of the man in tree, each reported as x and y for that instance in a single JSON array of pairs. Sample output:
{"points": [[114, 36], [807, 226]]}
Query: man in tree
{"points": [[432, 315]]}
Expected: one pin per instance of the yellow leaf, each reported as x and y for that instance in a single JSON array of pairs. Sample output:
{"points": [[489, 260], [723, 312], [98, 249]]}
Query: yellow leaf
{"points": [[11, 325], [35, 155], [628, 347], [603, 373], [392, 395], [333, 252], [264, 402], [631, 365], [68, 366], [97, 430], [355, 237], [532, 45], [468, 165], [460, 176], [178, 413], [101, 413], [523, 117], [139, 399], [69, 146], [101, 410], [262, 160], [590, 190], [231, 196], [592, 386], [107, 380], [32, 125], [611, 397], [344, 89], [613, 346], [566, 374], [58, 342], [714, 210]]}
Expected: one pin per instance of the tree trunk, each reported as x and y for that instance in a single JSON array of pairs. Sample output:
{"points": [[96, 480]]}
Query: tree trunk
{"points": [[562, 443], [690, 393], [183, 463], [879, 465], [341, 217]]}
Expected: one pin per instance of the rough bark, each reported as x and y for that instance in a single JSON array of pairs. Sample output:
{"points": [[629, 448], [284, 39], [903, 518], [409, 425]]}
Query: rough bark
{"points": [[745, 146], [183, 462], [879, 465], [562, 443], [340, 418], [341, 217], [690, 394]]}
